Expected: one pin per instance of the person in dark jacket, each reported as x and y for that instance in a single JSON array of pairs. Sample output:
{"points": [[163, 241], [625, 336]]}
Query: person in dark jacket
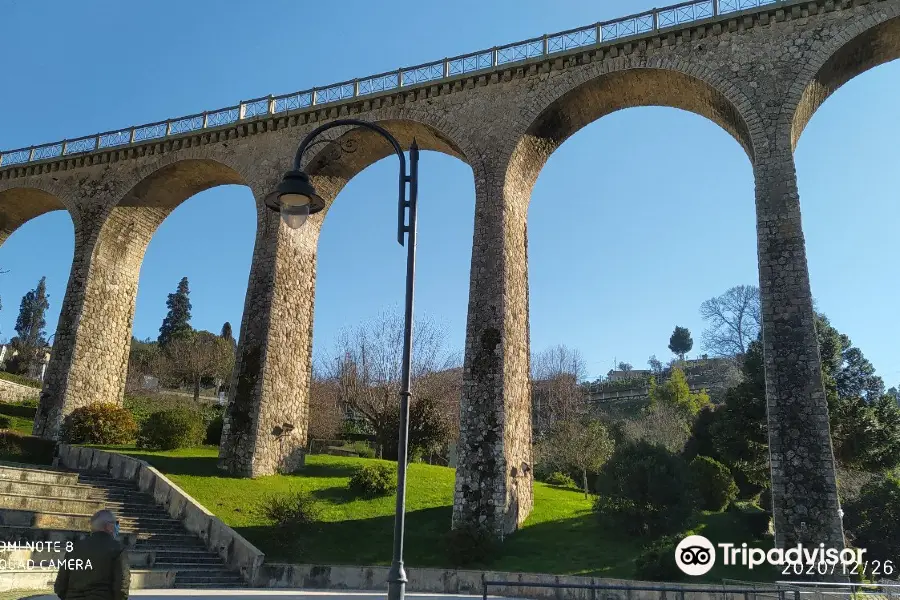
{"points": [[108, 575]]}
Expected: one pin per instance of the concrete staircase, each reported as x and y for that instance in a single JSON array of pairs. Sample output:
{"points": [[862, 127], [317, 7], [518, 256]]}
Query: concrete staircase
{"points": [[44, 504]]}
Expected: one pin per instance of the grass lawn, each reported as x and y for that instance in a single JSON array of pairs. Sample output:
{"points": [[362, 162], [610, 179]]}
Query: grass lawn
{"points": [[561, 535]]}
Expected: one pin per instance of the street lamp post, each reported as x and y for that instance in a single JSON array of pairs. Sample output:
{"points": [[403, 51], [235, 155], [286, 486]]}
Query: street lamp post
{"points": [[295, 198]]}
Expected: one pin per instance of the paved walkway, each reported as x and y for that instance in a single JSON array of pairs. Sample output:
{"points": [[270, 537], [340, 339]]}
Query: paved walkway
{"points": [[273, 594], [284, 594]]}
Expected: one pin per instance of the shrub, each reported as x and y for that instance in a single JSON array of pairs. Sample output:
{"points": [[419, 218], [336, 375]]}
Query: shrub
{"points": [[470, 545], [622, 515], [144, 406], [646, 488], [171, 429], [17, 447], [214, 432], [874, 518], [701, 441], [5, 422], [754, 518], [560, 479], [99, 423], [714, 484], [657, 562], [294, 508], [373, 480], [363, 449]]}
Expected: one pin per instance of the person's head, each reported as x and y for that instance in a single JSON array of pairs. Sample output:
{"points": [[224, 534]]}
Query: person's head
{"points": [[105, 520]]}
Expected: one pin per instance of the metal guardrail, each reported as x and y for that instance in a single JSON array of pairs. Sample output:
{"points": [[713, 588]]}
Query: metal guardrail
{"points": [[751, 592], [547, 45]]}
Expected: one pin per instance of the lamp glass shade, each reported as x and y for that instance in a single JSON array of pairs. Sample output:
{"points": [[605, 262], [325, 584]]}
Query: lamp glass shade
{"points": [[294, 209]]}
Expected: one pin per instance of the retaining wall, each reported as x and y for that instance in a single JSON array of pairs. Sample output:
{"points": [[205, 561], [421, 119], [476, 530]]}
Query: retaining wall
{"points": [[15, 392]]}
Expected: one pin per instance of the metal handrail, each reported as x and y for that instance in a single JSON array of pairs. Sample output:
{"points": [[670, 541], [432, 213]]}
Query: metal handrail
{"points": [[779, 590], [647, 22]]}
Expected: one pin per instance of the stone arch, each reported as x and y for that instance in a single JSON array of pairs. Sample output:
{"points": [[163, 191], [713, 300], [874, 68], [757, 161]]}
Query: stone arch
{"points": [[353, 149], [601, 90], [102, 292], [158, 190], [839, 61], [20, 204]]}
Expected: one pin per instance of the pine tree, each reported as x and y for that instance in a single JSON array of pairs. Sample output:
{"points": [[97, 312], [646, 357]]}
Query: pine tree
{"points": [[681, 342], [31, 320], [226, 331], [177, 321]]}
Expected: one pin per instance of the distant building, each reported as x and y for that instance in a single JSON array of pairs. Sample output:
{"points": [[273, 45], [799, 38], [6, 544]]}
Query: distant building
{"points": [[630, 374]]}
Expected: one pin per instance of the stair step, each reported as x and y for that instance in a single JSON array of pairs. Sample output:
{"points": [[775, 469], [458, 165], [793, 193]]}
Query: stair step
{"points": [[218, 579], [61, 510], [14, 472], [211, 586], [194, 563], [31, 488]]}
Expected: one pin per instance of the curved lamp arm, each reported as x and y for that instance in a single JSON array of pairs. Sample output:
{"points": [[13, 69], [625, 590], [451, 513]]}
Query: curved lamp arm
{"points": [[402, 227], [308, 140]]}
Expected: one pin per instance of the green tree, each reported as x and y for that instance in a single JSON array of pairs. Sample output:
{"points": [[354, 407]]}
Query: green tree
{"points": [[31, 320], [857, 377], [680, 343], [577, 446], [198, 354], [738, 429], [874, 518], [178, 319], [676, 392], [30, 328], [865, 434], [845, 370], [226, 332]]}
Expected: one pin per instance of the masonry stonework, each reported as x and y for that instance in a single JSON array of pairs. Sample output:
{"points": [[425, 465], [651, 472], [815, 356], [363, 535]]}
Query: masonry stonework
{"points": [[759, 74]]}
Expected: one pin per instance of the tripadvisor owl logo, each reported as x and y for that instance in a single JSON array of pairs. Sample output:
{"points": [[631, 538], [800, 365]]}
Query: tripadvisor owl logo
{"points": [[695, 555]]}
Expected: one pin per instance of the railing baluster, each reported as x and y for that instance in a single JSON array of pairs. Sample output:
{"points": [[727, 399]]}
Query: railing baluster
{"points": [[205, 120], [242, 110], [715, 7]]}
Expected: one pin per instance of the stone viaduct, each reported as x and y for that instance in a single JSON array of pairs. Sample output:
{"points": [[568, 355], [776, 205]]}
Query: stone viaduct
{"points": [[760, 73]]}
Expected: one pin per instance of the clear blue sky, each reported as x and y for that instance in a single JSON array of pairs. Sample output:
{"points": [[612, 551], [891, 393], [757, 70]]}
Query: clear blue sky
{"points": [[634, 221]]}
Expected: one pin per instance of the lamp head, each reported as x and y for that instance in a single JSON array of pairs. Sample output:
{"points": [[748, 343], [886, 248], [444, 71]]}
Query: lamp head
{"points": [[295, 198]]}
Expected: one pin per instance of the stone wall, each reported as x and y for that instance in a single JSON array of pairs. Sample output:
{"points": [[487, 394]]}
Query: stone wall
{"points": [[14, 392], [759, 74]]}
